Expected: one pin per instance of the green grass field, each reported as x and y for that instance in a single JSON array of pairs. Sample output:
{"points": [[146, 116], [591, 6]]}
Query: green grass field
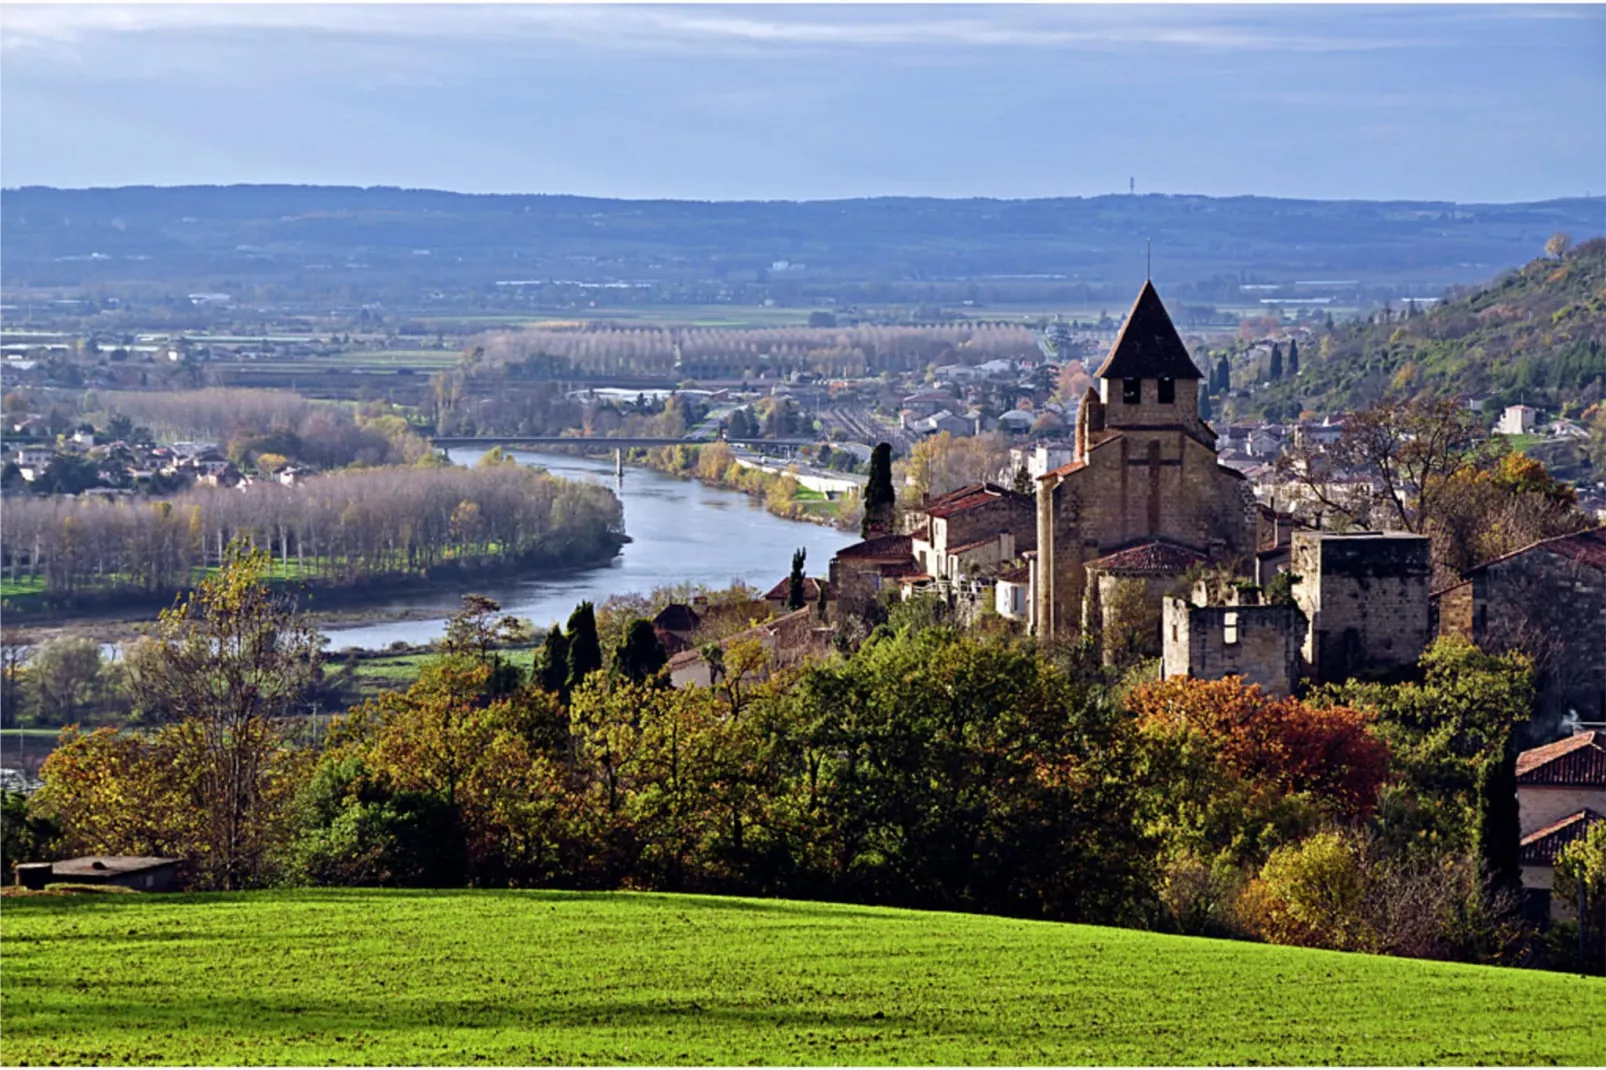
{"points": [[515, 978]]}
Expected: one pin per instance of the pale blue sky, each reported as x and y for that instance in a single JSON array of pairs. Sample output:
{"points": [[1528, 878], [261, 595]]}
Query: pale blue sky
{"points": [[716, 102]]}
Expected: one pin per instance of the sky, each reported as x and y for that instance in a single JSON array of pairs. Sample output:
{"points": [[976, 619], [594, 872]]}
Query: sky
{"points": [[722, 102]]}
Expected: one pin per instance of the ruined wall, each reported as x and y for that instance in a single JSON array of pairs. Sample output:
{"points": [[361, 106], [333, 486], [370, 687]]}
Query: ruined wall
{"points": [[1554, 608], [1366, 597], [1265, 646]]}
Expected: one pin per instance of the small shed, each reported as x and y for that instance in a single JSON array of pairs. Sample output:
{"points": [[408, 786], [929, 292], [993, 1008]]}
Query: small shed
{"points": [[130, 871]]}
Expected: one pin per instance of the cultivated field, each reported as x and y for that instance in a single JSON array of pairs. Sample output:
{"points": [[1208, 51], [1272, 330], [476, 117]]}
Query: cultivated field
{"points": [[357, 977]]}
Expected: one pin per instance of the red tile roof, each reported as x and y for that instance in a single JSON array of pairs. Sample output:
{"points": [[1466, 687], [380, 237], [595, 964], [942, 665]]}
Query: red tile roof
{"points": [[1579, 760], [1020, 574], [811, 589], [1150, 557], [968, 498], [1064, 470], [1540, 848], [879, 546], [974, 544], [1585, 547]]}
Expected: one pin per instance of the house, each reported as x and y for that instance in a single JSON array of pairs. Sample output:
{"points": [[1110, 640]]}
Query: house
{"points": [[1039, 459], [970, 529], [778, 594], [1561, 793], [1548, 598], [787, 640], [1517, 420], [1366, 596], [861, 570], [929, 402], [1012, 594], [128, 871], [1016, 422]]}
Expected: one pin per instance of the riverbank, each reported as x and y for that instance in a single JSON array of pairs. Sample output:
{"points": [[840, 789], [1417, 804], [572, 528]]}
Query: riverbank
{"points": [[107, 618], [716, 465]]}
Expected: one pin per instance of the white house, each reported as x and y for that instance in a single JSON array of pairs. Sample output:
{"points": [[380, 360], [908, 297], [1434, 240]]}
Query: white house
{"points": [[1517, 420]]}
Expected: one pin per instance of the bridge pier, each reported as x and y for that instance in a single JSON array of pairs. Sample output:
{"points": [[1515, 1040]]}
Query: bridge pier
{"points": [[619, 463]]}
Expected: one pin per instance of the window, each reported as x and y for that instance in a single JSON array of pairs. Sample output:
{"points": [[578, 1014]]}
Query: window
{"points": [[1131, 391], [1168, 391], [1229, 628]]}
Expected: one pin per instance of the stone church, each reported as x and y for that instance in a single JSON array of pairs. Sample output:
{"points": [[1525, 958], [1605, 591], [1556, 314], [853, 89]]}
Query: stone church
{"points": [[1142, 496]]}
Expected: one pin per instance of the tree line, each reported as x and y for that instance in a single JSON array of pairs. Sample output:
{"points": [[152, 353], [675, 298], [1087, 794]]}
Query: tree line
{"points": [[928, 768], [344, 528]]}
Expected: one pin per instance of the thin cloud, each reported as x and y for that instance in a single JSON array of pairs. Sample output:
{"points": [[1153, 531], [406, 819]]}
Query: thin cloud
{"points": [[709, 27]]}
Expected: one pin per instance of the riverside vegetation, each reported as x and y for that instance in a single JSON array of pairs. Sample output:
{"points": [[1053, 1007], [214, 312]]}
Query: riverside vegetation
{"points": [[927, 768]]}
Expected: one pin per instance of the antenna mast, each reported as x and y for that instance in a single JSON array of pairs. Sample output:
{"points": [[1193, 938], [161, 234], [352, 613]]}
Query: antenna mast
{"points": [[1148, 262]]}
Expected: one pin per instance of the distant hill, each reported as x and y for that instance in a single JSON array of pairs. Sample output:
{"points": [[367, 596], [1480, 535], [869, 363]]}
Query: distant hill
{"points": [[1536, 335], [316, 239]]}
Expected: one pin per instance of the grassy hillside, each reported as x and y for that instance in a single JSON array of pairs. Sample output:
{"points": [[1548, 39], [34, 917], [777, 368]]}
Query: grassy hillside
{"points": [[458, 977], [1536, 334]]}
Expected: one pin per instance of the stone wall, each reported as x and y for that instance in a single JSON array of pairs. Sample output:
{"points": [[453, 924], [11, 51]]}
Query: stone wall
{"points": [[1264, 647], [1539, 805], [1366, 598]]}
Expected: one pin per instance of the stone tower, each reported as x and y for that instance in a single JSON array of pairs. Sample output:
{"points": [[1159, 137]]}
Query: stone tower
{"points": [[1144, 471]]}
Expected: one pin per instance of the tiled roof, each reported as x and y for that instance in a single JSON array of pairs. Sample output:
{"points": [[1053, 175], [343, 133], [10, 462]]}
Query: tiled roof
{"points": [[811, 589], [976, 501], [1540, 848], [1020, 574], [879, 546], [1150, 557], [1064, 470], [677, 617], [1585, 547], [1148, 346], [1579, 760]]}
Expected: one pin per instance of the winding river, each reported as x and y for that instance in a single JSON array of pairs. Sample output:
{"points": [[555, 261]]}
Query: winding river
{"points": [[680, 531]]}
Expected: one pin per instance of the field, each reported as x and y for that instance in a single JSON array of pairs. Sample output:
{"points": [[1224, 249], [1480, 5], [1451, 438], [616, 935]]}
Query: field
{"points": [[356, 977]]}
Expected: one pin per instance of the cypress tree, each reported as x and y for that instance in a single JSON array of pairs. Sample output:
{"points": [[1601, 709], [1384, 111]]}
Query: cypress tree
{"points": [[1223, 375], [1293, 357], [585, 649], [1023, 480], [879, 498], [1204, 407], [1275, 371], [1498, 835], [553, 670], [640, 654], [794, 582]]}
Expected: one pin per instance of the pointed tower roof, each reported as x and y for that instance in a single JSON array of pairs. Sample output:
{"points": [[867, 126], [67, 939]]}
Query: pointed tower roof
{"points": [[1148, 346]]}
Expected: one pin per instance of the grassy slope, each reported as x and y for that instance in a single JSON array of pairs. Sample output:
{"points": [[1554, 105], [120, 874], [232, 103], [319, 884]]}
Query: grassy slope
{"points": [[355, 976]]}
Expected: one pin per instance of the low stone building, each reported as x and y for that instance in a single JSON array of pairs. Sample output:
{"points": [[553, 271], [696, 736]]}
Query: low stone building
{"points": [[788, 640], [1561, 793], [1366, 598], [1125, 591], [145, 874], [1236, 636], [1549, 600], [862, 570]]}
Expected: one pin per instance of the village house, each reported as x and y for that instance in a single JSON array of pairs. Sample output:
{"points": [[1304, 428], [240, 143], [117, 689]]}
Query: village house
{"points": [[1561, 793], [1548, 598], [1517, 420], [971, 529], [1366, 597], [787, 641], [1235, 635]]}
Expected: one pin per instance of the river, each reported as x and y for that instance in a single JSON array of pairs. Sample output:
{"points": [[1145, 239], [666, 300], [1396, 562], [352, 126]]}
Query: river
{"points": [[680, 531]]}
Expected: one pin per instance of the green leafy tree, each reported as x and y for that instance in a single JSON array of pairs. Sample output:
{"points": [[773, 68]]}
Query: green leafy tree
{"points": [[226, 668], [65, 676]]}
